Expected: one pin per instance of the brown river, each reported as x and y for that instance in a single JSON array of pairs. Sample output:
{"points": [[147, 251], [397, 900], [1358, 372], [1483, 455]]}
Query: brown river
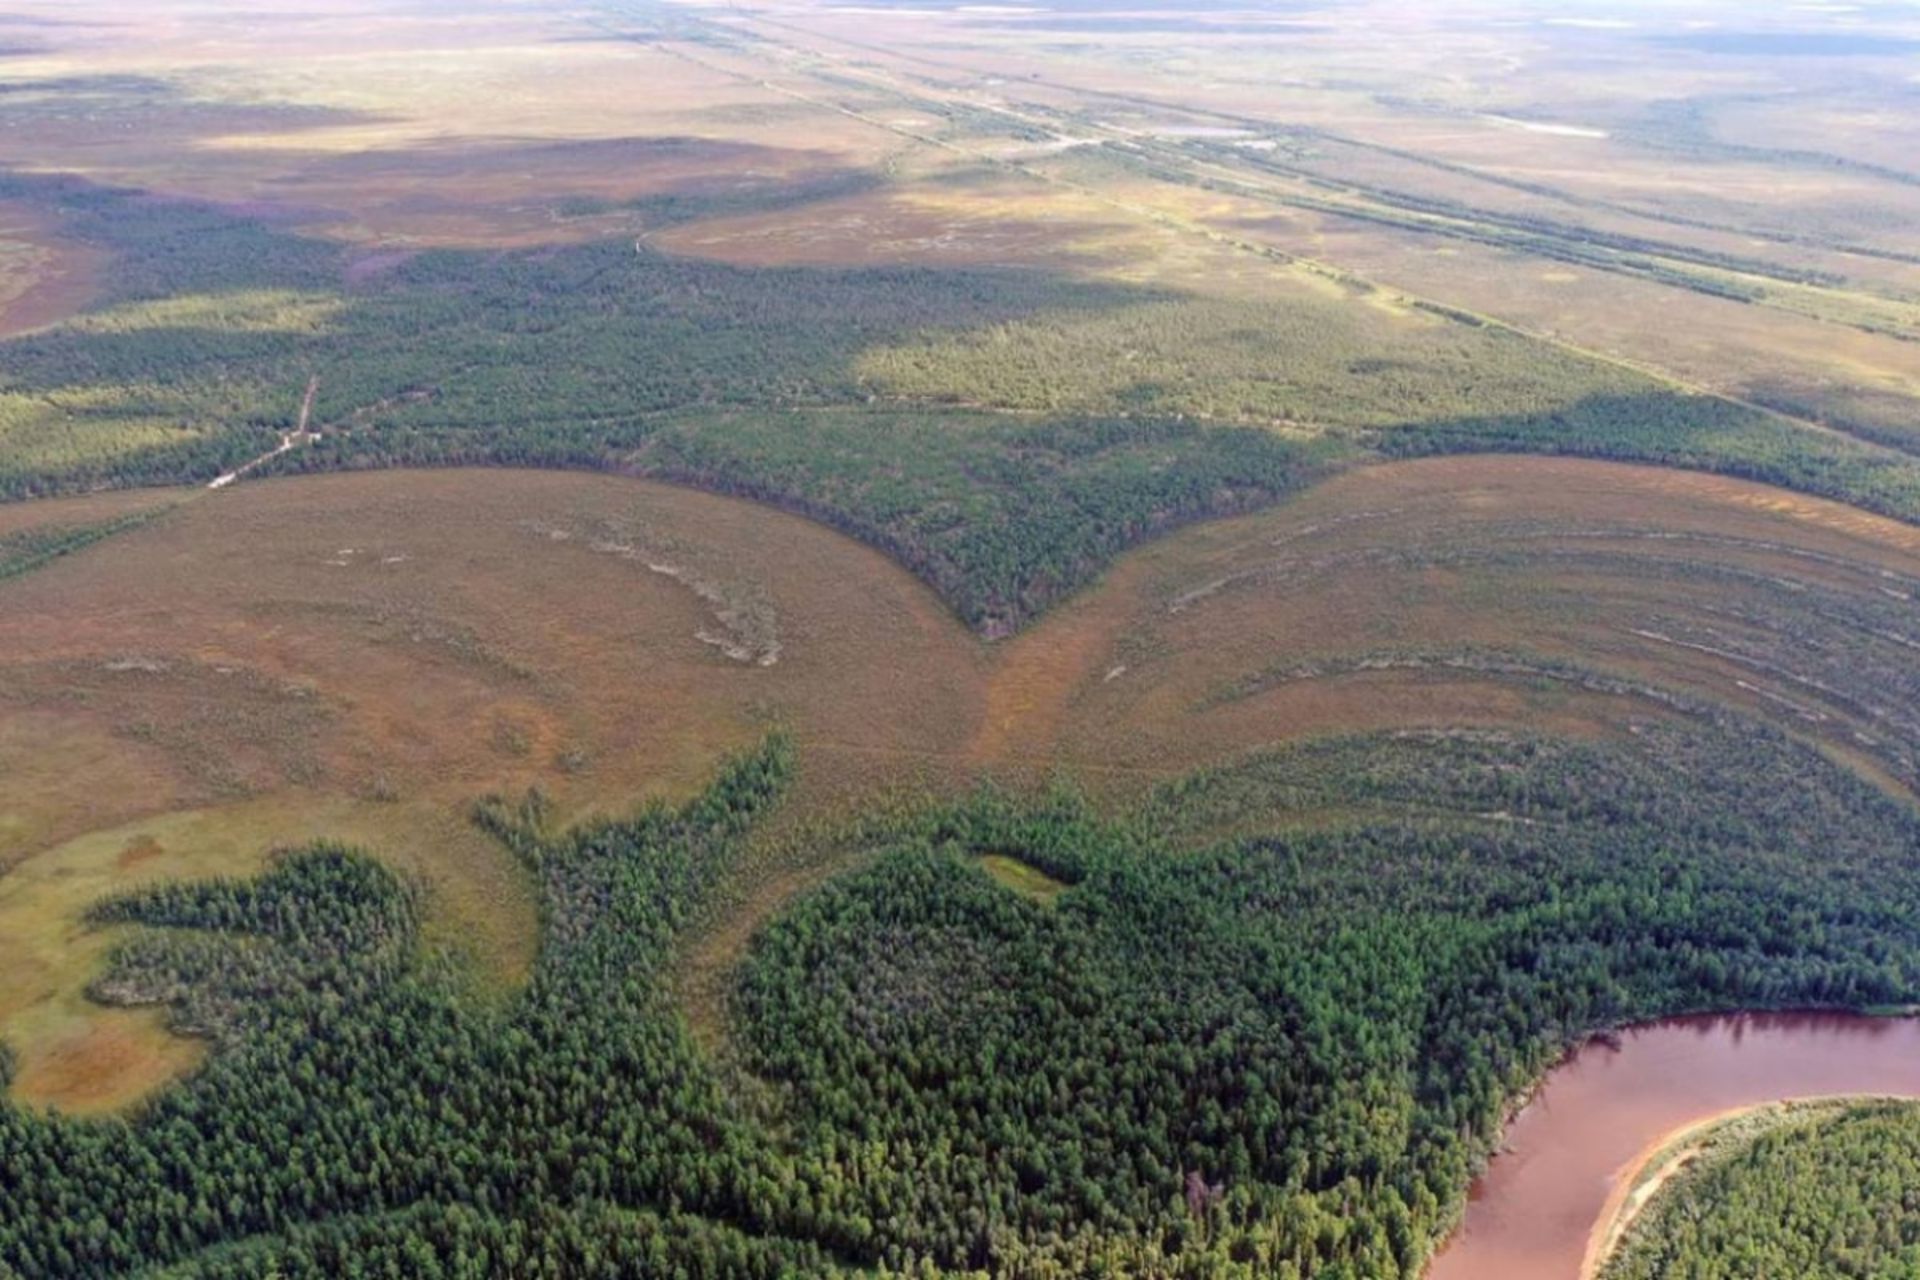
{"points": [[1604, 1111]]}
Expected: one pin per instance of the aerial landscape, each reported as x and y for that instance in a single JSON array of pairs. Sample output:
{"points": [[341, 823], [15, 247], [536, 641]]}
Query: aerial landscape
{"points": [[1070, 638]]}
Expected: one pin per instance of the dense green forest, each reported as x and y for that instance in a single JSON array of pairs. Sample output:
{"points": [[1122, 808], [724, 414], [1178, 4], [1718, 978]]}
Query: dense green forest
{"points": [[1227, 1047], [1002, 433], [1824, 1192]]}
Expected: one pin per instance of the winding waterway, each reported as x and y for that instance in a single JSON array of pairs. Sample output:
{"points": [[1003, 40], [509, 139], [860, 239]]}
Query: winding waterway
{"points": [[1609, 1107]]}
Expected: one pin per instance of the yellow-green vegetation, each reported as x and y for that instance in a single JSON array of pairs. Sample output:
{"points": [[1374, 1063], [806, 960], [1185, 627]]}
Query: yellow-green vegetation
{"points": [[74, 1053], [1023, 878], [1298, 358], [63, 431], [1822, 1190], [240, 311]]}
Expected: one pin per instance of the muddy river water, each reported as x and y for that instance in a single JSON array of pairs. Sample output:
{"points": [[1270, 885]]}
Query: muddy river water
{"points": [[1604, 1111]]}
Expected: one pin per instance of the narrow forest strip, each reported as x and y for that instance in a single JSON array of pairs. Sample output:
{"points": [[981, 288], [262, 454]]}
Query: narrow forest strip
{"points": [[32, 548]]}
